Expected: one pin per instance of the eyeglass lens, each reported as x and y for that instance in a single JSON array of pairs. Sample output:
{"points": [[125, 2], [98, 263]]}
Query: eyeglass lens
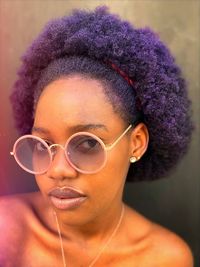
{"points": [[85, 153], [32, 154]]}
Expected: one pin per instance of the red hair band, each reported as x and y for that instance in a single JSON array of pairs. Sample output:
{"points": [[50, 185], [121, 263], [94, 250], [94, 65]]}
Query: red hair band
{"points": [[127, 78], [121, 72]]}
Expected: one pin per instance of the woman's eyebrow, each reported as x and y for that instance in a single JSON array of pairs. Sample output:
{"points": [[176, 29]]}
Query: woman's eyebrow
{"points": [[75, 128], [39, 130], [86, 127]]}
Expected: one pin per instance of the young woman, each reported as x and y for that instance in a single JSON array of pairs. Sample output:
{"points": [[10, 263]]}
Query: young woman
{"points": [[97, 103]]}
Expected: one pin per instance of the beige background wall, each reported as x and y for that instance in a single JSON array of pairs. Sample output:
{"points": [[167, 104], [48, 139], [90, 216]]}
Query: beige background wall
{"points": [[173, 202]]}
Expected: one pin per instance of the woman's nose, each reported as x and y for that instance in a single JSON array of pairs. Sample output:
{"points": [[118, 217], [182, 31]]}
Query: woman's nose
{"points": [[60, 167]]}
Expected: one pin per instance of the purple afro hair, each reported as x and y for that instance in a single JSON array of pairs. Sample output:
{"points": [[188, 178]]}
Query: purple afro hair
{"points": [[158, 82]]}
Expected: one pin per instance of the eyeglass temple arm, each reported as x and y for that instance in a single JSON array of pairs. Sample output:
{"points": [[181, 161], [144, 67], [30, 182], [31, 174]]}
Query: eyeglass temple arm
{"points": [[108, 147]]}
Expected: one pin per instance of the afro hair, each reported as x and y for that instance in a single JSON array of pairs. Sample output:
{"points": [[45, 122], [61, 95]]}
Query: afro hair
{"points": [[158, 82]]}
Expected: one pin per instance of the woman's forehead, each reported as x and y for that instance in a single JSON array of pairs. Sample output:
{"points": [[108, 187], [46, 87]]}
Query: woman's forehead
{"points": [[75, 101], [74, 88]]}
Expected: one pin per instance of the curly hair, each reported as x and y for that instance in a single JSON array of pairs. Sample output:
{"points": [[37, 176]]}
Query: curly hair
{"points": [[158, 87]]}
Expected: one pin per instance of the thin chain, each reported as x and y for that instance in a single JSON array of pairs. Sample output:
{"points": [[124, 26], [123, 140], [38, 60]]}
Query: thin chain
{"points": [[109, 239], [61, 241], [101, 250]]}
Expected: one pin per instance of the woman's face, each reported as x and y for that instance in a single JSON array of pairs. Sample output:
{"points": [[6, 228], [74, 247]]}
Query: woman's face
{"points": [[70, 105]]}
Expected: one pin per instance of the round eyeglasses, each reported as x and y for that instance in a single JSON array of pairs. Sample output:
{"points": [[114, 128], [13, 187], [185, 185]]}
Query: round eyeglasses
{"points": [[84, 151]]}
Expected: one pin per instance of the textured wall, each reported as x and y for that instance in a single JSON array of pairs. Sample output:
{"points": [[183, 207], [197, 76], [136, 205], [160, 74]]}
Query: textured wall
{"points": [[173, 202]]}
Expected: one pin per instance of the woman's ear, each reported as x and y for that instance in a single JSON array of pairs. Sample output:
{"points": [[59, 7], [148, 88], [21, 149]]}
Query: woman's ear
{"points": [[139, 141]]}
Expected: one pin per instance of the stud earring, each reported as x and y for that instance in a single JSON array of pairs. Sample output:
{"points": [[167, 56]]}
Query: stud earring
{"points": [[133, 159]]}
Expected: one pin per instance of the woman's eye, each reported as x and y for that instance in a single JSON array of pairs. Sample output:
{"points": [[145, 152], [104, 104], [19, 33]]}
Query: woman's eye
{"points": [[41, 147], [89, 144]]}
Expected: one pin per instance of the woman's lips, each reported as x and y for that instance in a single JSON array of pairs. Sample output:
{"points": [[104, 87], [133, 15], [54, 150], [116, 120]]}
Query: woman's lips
{"points": [[67, 203], [66, 198]]}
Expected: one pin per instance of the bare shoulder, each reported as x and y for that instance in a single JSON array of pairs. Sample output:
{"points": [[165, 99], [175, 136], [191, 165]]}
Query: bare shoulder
{"points": [[158, 246], [14, 205], [11, 209], [14, 210], [172, 249]]}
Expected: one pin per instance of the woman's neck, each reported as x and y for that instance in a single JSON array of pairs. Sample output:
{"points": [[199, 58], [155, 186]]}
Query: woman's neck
{"points": [[94, 230]]}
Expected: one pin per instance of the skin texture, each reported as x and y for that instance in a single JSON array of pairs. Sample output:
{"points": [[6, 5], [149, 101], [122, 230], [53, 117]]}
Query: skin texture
{"points": [[32, 238]]}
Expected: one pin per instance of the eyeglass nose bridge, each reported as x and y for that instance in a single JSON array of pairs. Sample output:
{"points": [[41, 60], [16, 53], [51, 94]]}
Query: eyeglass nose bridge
{"points": [[54, 146]]}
